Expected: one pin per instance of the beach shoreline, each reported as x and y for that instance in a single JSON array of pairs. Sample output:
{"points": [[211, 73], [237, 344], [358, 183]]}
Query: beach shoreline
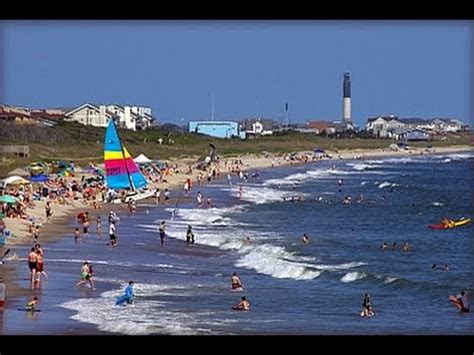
{"points": [[60, 224]]}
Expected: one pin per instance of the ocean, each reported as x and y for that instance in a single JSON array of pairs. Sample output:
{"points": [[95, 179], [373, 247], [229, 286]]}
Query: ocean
{"points": [[293, 288]]}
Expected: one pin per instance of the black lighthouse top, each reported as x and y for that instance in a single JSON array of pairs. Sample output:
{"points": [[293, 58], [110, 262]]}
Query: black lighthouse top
{"points": [[347, 85]]}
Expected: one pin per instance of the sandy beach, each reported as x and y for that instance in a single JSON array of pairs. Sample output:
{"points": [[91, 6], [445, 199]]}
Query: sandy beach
{"points": [[60, 222]]}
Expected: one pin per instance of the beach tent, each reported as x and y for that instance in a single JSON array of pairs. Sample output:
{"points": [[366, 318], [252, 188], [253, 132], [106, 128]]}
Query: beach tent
{"points": [[142, 159], [319, 150], [393, 146], [19, 172], [14, 180], [39, 178]]}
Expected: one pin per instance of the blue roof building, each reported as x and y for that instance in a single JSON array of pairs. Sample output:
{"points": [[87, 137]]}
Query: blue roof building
{"points": [[219, 129]]}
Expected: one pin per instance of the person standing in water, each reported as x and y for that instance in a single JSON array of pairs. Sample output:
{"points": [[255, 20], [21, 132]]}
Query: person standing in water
{"points": [[162, 231], [189, 236], [235, 281], [460, 302], [98, 227]]}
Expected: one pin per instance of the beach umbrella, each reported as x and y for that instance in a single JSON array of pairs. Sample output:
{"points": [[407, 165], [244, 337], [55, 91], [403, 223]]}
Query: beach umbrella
{"points": [[14, 180], [7, 199], [39, 178]]}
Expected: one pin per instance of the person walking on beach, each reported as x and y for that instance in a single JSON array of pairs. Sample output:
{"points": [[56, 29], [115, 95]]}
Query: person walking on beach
{"points": [[32, 264], [167, 196], [48, 211], [162, 231], [199, 199], [86, 275], [40, 264]]}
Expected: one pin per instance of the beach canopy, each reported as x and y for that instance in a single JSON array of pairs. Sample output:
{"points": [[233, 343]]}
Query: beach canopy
{"points": [[142, 159], [19, 172], [7, 199], [14, 180], [39, 178]]}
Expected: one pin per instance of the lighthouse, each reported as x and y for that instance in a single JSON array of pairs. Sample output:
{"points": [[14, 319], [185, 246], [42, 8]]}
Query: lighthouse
{"points": [[346, 104]]}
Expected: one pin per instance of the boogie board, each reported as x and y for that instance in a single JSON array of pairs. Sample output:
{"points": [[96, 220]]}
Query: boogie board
{"points": [[29, 310], [122, 299]]}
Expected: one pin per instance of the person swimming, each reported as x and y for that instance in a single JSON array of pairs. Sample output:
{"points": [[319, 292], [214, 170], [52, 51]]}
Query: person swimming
{"points": [[305, 238], [243, 305]]}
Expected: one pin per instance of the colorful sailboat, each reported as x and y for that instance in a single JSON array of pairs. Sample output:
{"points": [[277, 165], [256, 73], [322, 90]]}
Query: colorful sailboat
{"points": [[121, 172]]}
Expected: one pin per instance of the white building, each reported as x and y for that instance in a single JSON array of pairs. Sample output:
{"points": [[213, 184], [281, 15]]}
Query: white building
{"points": [[89, 115], [129, 117]]}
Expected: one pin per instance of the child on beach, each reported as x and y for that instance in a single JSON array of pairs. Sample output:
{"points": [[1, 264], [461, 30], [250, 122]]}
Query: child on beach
{"points": [[98, 227], [77, 235], [40, 264], [31, 306]]}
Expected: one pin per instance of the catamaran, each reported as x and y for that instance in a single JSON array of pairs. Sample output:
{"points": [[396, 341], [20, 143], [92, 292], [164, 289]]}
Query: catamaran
{"points": [[121, 172]]}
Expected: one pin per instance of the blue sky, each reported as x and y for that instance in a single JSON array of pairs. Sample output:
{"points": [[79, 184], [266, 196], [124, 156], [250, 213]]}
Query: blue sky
{"points": [[407, 68]]}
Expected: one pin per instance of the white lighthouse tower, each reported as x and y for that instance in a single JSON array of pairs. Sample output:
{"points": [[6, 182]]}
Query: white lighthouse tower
{"points": [[346, 104]]}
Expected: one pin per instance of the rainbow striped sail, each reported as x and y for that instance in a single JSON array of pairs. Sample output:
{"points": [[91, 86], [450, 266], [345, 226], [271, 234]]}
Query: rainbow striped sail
{"points": [[120, 170]]}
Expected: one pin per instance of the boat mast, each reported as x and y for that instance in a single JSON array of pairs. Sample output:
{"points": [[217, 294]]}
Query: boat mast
{"points": [[123, 156]]}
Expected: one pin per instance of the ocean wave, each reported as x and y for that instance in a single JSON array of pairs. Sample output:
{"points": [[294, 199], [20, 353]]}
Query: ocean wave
{"points": [[145, 316], [361, 166], [260, 195], [109, 262], [386, 184], [275, 261], [353, 276]]}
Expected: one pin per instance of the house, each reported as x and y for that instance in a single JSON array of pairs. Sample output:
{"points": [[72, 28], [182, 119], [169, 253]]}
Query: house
{"points": [[384, 126], [123, 115], [448, 125], [258, 126], [304, 128], [417, 123], [90, 115], [219, 129], [417, 135], [145, 121], [321, 127]]}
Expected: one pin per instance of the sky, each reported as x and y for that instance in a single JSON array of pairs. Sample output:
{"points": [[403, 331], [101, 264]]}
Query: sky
{"points": [[405, 68]]}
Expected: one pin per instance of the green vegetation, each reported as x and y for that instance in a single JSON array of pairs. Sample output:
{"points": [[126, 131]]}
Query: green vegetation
{"points": [[72, 141]]}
